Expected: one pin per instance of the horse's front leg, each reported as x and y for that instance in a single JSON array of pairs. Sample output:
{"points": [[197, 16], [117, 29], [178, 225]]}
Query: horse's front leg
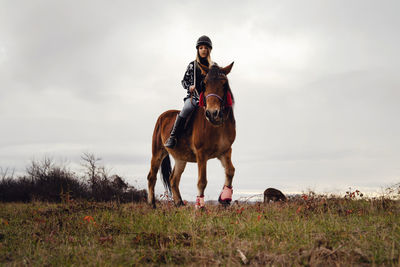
{"points": [[226, 194], [202, 181]]}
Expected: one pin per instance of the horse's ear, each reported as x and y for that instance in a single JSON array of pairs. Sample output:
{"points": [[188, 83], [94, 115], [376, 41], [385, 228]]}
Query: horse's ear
{"points": [[227, 69], [204, 69]]}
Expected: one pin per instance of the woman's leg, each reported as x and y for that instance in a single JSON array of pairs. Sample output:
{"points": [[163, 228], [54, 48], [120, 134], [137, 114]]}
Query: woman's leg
{"points": [[179, 124], [187, 109]]}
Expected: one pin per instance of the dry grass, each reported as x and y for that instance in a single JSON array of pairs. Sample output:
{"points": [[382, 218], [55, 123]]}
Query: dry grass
{"points": [[309, 230]]}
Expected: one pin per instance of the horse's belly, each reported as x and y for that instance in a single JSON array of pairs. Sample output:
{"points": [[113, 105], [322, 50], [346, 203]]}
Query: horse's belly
{"points": [[185, 155], [189, 156]]}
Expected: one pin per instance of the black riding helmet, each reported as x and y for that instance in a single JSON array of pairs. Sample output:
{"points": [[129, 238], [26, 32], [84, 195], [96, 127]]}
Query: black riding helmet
{"points": [[204, 40]]}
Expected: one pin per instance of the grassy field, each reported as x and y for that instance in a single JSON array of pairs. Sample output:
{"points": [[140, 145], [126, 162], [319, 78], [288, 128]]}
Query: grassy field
{"points": [[309, 230]]}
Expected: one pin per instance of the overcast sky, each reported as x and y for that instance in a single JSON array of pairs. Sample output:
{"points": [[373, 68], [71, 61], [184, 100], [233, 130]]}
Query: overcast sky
{"points": [[316, 85]]}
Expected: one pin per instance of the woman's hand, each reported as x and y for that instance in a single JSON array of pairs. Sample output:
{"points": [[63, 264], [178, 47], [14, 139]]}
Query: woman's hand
{"points": [[191, 88]]}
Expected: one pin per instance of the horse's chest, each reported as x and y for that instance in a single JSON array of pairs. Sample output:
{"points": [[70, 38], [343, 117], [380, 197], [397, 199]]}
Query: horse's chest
{"points": [[223, 144], [213, 146]]}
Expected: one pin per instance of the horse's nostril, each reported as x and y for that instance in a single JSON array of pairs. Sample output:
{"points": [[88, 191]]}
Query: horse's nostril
{"points": [[208, 114], [215, 113]]}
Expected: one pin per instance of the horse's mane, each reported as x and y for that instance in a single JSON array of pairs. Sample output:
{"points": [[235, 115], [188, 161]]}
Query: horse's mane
{"points": [[215, 74]]}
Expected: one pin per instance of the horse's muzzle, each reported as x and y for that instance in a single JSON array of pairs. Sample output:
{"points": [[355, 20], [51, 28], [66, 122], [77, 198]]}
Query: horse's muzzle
{"points": [[214, 116]]}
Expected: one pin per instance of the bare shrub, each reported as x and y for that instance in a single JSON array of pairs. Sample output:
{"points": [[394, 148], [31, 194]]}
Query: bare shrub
{"points": [[47, 181]]}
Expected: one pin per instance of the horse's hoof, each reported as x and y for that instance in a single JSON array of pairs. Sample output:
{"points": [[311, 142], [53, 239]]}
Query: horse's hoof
{"points": [[200, 208], [180, 204], [200, 203], [224, 203], [225, 197]]}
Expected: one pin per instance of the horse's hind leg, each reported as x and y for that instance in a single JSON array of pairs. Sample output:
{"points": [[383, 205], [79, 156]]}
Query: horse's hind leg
{"points": [[152, 176], [175, 179]]}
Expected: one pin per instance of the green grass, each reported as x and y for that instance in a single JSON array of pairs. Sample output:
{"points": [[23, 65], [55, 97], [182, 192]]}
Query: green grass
{"points": [[312, 231]]}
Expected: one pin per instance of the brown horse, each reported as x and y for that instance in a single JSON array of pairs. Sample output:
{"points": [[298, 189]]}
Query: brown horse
{"points": [[210, 134]]}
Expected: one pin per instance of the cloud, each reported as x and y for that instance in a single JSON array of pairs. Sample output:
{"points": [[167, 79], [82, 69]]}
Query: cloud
{"points": [[315, 84]]}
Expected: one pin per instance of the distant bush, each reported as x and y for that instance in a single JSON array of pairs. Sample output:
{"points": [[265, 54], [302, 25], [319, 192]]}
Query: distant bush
{"points": [[45, 181]]}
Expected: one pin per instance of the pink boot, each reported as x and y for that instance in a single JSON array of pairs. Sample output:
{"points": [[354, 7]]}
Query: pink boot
{"points": [[200, 204], [225, 197]]}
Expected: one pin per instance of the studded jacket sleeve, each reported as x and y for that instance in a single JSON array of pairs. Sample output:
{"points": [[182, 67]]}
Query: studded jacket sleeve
{"points": [[188, 77]]}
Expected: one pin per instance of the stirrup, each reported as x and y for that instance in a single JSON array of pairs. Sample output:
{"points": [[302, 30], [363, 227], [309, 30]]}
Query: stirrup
{"points": [[225, 197], [200, 204]]}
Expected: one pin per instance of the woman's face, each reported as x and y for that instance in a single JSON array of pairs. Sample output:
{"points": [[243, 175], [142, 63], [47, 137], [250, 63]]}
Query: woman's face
{"points": [[203, 51]]}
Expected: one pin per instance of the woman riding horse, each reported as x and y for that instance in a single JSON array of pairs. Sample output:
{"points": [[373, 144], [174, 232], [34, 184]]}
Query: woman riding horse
{"points": [[192, 75], [212, 134]]}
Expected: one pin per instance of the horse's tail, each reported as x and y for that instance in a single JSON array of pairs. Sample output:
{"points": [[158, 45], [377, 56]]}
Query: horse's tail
{"points": [[166, 173]]}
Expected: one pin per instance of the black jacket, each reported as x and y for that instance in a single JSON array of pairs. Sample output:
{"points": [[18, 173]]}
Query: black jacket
{"points": [[188, 79]]}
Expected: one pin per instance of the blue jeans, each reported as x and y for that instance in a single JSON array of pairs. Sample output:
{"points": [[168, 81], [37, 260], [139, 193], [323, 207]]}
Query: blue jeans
{"points": [[188, 107]]}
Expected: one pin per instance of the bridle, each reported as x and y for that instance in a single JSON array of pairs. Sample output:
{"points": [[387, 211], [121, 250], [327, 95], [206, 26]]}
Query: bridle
{"points": [[223, 100], [217, 96]]}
